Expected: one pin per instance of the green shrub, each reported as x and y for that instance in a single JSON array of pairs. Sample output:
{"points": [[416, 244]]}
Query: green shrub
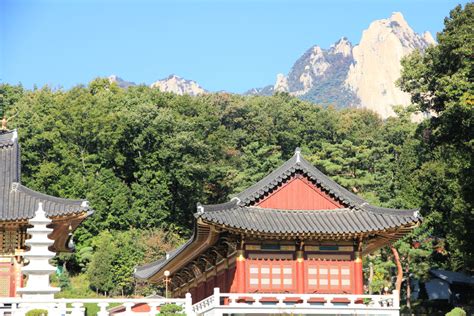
{"points": [[457, 311], [37, 312], [171, 309]]}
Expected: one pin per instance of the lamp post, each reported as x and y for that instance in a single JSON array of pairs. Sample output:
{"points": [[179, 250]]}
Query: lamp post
{"points": [[167, 274]]}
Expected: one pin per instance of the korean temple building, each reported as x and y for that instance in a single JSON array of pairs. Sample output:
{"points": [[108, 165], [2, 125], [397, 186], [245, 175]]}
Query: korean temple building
{"points": [[18, 204], [295, 231]]}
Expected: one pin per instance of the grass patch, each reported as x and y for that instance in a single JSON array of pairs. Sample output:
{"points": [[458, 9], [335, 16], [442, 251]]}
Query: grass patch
{"points": [[79, 288]]}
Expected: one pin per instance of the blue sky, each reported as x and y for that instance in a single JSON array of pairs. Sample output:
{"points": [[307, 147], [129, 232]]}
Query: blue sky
{"points": [[223, 45]]}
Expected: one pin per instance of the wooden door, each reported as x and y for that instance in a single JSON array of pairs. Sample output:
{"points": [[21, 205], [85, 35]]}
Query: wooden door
{"points": [[7, 279]]}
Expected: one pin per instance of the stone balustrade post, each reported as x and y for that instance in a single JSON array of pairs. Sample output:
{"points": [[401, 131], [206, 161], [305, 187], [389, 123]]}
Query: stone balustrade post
{"points": [[77, 309], [128, 308], [257, 300], [153, 307], [352, 300], [328, 302], [103, 309], [280, 298], [217, 297], [188, 305], [232, 300], [304, 299], [396, 299]]}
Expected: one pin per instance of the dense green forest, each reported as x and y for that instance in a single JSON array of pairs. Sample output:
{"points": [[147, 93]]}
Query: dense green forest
{"points": [[144, 158]]}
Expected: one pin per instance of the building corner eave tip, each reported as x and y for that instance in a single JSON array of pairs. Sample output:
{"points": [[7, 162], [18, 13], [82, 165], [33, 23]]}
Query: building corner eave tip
{"points": [[15, 135]]}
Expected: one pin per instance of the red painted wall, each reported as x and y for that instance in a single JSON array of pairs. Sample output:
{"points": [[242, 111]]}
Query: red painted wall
{"points": [[299, 194], [280, 276]]}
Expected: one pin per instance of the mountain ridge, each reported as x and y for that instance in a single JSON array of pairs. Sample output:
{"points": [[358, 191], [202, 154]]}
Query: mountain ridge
{"points": [[173, 83], [343, 75]]}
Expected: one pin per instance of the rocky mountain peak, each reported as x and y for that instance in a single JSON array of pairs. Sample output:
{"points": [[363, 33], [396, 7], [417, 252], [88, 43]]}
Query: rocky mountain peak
{"points": [[376, 65], [429, 38], [342, 46], [315, 71], [363, 75], [398, 18], [281, 84], [178, 85], [120, 82]]}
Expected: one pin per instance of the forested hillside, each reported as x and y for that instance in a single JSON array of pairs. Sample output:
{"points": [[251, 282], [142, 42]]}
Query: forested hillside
{"points": [[144, 158]]}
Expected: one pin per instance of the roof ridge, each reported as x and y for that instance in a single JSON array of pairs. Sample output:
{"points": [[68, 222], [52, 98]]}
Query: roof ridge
{"points": [[217, 207], [296, 210], [390, 211]]}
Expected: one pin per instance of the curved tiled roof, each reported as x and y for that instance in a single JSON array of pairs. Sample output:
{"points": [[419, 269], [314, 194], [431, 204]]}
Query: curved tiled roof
{"points": [[17, 202], [299, 222]]}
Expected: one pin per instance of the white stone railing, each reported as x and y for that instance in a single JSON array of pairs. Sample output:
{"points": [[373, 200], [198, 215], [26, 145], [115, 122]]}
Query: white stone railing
{"points": [[262, 303], [216, 305], [75, 307]]}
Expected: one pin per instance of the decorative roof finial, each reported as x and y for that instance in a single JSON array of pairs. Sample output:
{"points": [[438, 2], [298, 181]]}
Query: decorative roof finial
{"points": [[5, 121], [298, 154], [200, 208]]}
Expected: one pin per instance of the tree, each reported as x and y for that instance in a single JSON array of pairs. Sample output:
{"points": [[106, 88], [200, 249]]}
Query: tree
{"points": [[99, 272], [441, 81], [117, 253]]}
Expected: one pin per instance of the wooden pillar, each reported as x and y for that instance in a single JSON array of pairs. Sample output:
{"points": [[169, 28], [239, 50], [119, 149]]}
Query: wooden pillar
{"points": [[226, 288], [240, 271], [358, 274], [300, 286]]}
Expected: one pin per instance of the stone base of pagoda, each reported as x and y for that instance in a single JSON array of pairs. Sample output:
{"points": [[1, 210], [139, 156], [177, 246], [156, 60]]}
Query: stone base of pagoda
{"points": [[38, 293]]}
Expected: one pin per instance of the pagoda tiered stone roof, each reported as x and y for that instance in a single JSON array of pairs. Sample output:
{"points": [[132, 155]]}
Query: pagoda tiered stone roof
{"points": [[17, 202], [356, 219]]}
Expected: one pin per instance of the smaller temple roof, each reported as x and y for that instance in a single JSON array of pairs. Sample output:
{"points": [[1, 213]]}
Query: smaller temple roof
{"points": [[17, 202]]}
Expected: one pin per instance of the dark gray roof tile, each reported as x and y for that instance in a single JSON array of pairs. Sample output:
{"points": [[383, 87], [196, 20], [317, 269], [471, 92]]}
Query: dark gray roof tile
{"points": [[275, 221]]}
